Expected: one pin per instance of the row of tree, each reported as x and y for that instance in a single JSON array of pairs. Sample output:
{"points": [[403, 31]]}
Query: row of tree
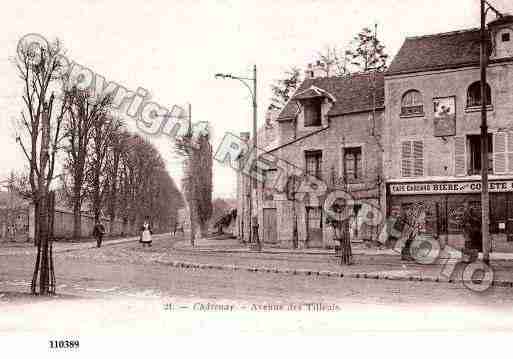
{"points": [[105, 169]]}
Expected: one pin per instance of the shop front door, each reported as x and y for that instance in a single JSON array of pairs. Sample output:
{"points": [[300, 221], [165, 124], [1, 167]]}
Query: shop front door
{"points": [[270, 226]]}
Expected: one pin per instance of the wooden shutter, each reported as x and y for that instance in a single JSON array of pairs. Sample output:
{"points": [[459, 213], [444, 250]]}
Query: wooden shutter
{"points": [[418, 158], [499, 152], [509, 149], [406, 158], [460, 156]]}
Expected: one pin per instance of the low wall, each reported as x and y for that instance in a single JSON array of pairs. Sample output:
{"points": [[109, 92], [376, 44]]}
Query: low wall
{"points": [[63, 224]]}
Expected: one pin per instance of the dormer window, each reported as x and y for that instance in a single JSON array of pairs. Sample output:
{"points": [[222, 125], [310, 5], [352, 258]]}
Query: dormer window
{"points": [[506, 37], [412, 104], [474, 95], [313, 112]]}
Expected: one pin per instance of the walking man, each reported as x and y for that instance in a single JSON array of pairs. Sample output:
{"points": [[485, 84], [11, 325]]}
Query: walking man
{"points": [[98, 233]]}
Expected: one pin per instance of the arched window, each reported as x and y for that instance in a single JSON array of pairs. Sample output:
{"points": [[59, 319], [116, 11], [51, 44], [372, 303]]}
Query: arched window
{"points": [[474, 95], [412, 104]]}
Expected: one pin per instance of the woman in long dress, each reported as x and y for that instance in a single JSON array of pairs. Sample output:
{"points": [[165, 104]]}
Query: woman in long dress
{"points": [[146, 234]]}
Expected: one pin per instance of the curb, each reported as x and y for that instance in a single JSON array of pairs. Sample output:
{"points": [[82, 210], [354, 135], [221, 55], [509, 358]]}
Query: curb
{"points": [[328, 274]]}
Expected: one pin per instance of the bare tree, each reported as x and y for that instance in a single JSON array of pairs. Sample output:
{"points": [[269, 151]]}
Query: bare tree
{"points": [[334, 60], [39, 136], [105, 134], [84, 111], [114, 174]]}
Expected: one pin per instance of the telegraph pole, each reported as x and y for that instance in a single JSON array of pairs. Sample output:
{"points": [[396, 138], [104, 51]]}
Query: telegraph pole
{"points": [[485, 196], [255, 149]]}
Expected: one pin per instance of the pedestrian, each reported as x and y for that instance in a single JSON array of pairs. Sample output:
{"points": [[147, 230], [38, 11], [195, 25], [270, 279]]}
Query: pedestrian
{"points": [[98, 233], [146, 233]]}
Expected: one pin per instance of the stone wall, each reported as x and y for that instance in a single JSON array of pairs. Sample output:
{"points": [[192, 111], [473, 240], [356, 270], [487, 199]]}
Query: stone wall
{"points": [[63, 224]]}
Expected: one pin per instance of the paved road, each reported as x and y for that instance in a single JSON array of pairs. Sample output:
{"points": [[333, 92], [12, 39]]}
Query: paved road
{"points": [[112, 291]]}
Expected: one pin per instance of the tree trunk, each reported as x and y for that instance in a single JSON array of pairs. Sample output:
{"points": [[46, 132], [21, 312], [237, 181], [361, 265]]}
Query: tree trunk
{"points": [[346, 255], [36, 222], [96, 194], [193, 225], [295, 241], [77, 221], [203, 227], [44, 261]]}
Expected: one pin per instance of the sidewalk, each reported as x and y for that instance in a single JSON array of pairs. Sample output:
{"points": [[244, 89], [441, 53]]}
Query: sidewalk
{"points": [[369, 263], [27, 248], [234, 246]]}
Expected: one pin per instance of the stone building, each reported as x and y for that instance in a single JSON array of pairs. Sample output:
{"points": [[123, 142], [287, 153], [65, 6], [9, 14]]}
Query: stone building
{"points": [[13, 216], [328, 137], [432, 126]]}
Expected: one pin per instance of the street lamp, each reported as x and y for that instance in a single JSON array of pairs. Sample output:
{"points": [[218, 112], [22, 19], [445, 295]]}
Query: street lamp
{"points": [[253, 90]]}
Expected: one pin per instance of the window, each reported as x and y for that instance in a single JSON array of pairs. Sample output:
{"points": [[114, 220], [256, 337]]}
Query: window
{"points": [[412, 104], [412, 158], [313, 112], [474, 95], [474, 146], [353, 170], [313, 161], [506, 37]]}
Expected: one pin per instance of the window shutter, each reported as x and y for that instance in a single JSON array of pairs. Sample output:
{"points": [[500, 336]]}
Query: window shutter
{"points": [[499, 152], [460, 156], [406, 158], [418, 158], [510, 152]]}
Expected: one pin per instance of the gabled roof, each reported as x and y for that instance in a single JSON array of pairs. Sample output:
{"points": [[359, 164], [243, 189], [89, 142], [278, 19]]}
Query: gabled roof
{"points": [[313, 92], [351, 94], [437, 52]]}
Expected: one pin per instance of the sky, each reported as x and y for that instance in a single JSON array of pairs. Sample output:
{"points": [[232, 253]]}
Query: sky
{"points": [[173, 49]]}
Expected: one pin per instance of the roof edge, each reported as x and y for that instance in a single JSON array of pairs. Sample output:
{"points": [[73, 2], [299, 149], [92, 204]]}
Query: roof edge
{"points": [[442, 34]]}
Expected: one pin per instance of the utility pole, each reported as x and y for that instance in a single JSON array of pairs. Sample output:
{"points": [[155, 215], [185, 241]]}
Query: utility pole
{"points": [[255, 149], [485, 196]]}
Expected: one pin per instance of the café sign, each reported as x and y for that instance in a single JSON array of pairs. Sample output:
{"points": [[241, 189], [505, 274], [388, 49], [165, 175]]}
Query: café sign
{"points": [[449, 187]]}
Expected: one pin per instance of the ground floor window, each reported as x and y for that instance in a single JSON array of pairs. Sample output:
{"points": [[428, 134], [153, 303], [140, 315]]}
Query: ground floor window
{"points": [[442, 214]]}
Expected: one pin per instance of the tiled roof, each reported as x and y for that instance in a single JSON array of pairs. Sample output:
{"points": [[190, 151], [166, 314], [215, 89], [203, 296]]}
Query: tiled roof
{"points": [[353, 93], [437, 52]]}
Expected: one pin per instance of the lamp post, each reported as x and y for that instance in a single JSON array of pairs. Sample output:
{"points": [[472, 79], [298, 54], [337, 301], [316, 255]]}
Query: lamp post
{"points": [[485, 196], [253, 90]]}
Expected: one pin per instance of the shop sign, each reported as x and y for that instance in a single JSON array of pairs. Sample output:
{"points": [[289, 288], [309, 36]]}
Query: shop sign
{"points": [[449, 187]]}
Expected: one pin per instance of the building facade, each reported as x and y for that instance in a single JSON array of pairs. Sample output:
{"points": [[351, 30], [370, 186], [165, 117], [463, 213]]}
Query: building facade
{"points": [[328, 137], [432, 126]]}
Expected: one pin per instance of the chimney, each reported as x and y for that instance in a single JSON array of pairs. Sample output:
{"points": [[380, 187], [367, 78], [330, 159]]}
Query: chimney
{"points": [[316, 70]]}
